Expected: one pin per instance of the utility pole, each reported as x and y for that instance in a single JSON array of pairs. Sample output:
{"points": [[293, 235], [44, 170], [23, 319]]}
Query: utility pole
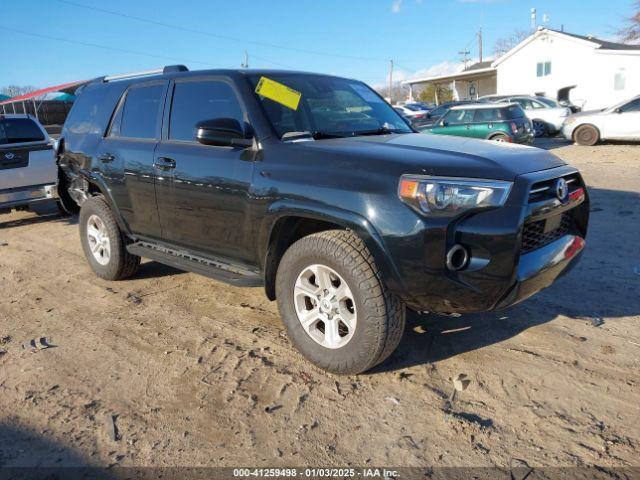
{"points": [[390, 81], [465, 57], [245, 64], [480, 44]]}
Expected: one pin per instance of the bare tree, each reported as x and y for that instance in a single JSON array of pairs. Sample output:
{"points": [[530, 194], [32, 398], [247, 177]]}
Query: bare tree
{"points": [[631, 32], [16, 90], [506, 43]]}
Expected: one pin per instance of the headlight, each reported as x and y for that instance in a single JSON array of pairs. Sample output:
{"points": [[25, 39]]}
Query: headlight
{"points": [[447, 196]]}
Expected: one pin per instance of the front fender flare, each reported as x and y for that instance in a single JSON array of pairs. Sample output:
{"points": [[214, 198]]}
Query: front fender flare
{"points": [[346, 219]]}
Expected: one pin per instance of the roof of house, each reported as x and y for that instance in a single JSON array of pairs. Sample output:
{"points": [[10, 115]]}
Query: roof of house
{"points": [[479, 66], [603, 44]]}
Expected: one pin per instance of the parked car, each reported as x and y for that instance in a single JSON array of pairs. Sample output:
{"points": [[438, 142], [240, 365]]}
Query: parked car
{"points": [[620, 122], [502, 122], [545, 114], [315, 188], [437, 113], [415, 114], [28, 169]]}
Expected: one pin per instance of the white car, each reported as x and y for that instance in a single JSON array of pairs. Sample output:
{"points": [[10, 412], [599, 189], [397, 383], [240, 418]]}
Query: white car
{"points": [[545, 114], [28, 169], [620, 122], [410, 110]]}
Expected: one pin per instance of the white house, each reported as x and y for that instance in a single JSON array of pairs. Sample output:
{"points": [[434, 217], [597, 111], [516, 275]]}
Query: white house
{"points": [[603, 72]]}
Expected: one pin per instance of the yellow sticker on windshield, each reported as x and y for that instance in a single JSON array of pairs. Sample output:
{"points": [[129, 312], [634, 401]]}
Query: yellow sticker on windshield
{"points": [[278, 93]]}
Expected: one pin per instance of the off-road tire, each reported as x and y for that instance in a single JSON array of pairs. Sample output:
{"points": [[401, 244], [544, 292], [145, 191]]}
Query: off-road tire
{"points": [[121, 264], [586, 135], [381, 315]]}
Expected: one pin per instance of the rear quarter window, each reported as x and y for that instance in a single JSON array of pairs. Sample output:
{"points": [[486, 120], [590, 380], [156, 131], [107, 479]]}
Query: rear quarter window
{"points": [[92, 110], [514, 112], [19, 130]]}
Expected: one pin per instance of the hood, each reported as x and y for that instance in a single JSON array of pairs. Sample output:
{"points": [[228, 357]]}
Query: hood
{"points": [[440, 155], [587, 113]]}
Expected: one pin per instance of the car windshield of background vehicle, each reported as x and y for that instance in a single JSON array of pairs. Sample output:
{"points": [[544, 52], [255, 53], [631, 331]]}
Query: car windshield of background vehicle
{"points": [[19, 130], [633, 106], [330, 107]]}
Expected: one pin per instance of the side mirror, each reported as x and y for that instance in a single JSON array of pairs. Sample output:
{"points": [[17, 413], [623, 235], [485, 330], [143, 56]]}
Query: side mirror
{"points": [[444, 123], [222, 132], [618, 110]]}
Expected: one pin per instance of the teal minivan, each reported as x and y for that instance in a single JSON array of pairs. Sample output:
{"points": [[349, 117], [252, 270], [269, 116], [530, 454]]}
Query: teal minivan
{"points": [[502, 122]]}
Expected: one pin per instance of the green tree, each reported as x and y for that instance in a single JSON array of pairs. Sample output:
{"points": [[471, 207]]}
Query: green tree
{"points": [[428, 94]]}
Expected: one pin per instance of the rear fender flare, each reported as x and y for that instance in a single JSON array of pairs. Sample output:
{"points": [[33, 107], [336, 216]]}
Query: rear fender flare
{"points": [[98, 182]]}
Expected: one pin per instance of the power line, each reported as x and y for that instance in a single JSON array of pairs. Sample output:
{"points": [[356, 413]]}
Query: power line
{"points": [[104, 47], [215, 35], [124, 50]]}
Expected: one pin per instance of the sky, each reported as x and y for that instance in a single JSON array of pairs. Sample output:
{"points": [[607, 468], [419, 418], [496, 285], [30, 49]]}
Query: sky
{"points": [[48, 42]]}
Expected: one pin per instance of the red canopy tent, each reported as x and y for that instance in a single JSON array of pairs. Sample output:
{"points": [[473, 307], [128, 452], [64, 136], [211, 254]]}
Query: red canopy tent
{"points": [[69, 87]]}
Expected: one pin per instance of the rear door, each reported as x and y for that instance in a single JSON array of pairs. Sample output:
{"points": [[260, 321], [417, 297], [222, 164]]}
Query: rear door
{"points": [[125, 156], [26, 154], [203, 190]]}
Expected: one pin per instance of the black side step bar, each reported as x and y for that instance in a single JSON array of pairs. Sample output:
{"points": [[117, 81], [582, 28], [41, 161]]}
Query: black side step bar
{"points": [[208, 267]]}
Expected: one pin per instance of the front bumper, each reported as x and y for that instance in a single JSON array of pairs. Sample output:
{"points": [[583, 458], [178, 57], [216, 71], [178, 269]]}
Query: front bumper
{"points": [[567, 131], [539, 269], [24, 196], [510, 260]]}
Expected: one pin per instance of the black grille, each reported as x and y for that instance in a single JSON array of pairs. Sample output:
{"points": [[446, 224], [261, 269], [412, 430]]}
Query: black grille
{"points": [[534, 235]]}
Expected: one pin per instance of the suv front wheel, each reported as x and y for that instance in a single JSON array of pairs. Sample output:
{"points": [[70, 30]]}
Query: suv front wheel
{"points": [[337, 311], [103, 242]]}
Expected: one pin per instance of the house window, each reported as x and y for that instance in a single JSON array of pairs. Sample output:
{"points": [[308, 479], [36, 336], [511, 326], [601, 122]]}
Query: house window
{"points": [[543, 69], [619, 80]]}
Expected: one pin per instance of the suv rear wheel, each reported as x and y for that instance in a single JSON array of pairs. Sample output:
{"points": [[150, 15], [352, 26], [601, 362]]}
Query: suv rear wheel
{"points": [[103, 242], [336, 309]]}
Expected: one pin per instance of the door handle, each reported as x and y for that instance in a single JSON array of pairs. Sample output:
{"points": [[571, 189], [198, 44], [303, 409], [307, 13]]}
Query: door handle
{"points": [[106, 157], [164, 163]]}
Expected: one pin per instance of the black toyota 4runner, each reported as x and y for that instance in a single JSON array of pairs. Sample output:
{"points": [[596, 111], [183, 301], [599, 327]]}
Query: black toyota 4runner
{"points": [[315, 188]]}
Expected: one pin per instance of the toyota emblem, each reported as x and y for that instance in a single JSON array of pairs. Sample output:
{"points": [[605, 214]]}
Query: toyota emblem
{"points": [[562, 189], [9, 156]]}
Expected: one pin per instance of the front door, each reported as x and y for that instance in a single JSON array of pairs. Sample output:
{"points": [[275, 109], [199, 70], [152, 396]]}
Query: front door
{"points": [[625, 123], [202, 190]]}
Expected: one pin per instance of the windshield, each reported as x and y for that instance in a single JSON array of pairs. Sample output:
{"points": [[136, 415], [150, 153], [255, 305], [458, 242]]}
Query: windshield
{"points": [[327, 107], [548, 102]]}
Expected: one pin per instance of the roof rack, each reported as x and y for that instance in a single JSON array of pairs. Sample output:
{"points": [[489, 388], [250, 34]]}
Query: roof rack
{"points": [[146, 73]]}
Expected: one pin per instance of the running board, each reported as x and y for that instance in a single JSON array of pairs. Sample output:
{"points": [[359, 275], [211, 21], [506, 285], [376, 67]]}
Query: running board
{"points": [[208, 267]]}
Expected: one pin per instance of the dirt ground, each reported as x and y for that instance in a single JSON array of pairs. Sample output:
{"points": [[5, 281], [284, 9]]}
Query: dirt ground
{"points": [[195, 372]]}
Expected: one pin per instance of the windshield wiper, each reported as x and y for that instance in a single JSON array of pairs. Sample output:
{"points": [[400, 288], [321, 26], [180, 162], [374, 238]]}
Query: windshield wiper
{"points": [[378, 131], [317, 135]]}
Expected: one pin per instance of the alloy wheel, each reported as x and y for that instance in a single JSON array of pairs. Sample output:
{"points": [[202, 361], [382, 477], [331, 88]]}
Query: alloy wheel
{"points": [[98, 239], [325, 306]]}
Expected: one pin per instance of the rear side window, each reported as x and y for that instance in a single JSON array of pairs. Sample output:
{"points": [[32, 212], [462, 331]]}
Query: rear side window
{"points": [[459, 117], [514, 112], [488, 115], [140, 112], [194, 102], [19, 130]]}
